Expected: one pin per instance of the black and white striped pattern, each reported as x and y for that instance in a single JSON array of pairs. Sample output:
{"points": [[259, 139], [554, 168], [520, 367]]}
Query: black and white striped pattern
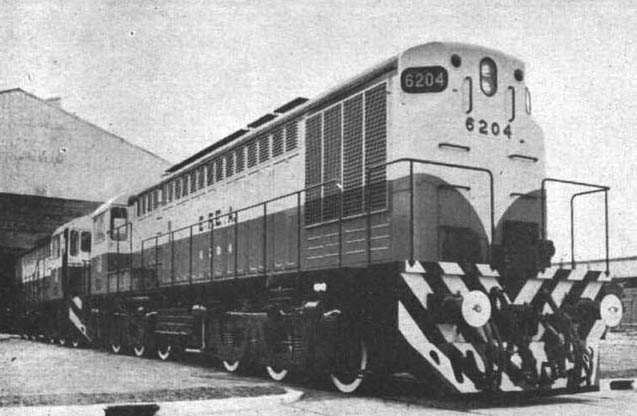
{"points": [[75, 312], [452, 344]]}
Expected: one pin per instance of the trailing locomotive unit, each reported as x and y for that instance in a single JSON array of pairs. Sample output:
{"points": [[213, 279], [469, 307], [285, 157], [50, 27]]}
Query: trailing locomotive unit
{"points": [[55, 277], [394, 224]]}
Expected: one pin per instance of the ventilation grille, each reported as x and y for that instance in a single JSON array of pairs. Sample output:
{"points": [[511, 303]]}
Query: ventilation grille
{"points": [[252, 153], [219, 170], [229, 164], [264, 149], [291, 136], [240, 159], [277, 143]]}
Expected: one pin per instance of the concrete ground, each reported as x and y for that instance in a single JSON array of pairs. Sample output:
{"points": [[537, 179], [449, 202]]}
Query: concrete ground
{"points": [[35, 377], [35, 373]]}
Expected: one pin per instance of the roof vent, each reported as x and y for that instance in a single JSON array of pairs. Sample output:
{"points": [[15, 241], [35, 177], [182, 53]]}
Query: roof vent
{"points": [[262, 120], [291, 104]]}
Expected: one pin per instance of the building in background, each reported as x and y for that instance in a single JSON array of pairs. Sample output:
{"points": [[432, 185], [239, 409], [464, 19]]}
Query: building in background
{"points": [[54, 166]]}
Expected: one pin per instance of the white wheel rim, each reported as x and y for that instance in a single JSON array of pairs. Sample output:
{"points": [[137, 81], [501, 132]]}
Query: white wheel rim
{"points": [[276, 375], [116, 348], [75, 343], [231, 367], [163, 355], [351, 387], [62, 341], [139, 351]]}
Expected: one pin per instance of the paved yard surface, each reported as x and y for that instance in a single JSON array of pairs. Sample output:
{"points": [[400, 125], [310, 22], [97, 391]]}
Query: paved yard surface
{"points": [[35, 373]]}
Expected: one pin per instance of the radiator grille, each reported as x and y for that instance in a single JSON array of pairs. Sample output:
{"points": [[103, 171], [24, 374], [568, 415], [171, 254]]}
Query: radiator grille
{"points": [[313, 133], [341, 143], [353, 155], [376, 143], [331, 162]]}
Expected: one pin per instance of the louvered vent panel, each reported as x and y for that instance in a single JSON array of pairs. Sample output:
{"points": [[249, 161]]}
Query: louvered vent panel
{"points": [[353, 155], [239, 159], [313, 150], [219, 170], [264, 149], [211, 173], [376, 143], [229, 164], [331, 162], [277, 142], [291, 136], [252, 153]]}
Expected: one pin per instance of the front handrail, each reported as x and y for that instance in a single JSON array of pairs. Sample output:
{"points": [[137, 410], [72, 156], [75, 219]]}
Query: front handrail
{"points": [[597, 188], [411, 162]]}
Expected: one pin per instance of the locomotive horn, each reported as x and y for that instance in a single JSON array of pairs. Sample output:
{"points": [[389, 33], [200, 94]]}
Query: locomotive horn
{"points": [[476, 308]]}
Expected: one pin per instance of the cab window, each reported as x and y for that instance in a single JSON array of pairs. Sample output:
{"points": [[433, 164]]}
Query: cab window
{"points": [[55, 246], [118, 224], [100, 235], [74, 243], [85, 242]]}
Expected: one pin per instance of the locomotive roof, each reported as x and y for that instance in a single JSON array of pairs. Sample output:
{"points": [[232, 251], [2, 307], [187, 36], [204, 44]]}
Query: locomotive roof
{"points": [[291, 109], [301, 105]]}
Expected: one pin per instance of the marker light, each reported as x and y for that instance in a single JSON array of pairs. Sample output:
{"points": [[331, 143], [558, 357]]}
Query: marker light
{"points": [[488, 77], [611, 310], [476, 308]]}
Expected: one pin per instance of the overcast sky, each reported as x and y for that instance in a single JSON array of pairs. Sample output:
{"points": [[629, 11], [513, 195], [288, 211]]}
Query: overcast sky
{"points": [[174, 76]]}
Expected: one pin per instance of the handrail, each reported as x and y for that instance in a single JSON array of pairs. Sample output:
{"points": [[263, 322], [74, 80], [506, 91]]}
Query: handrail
{"points": [[597, 188], [234, 212], [573, 221], [411, 197]]}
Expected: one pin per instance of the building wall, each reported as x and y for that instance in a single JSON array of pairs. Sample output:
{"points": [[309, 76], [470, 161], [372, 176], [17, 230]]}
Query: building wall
{"points": [[46, 151]]}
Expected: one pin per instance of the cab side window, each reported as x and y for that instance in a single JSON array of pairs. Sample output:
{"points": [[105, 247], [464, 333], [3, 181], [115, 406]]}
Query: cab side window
{"points": [[85, 242], [74, 243]]}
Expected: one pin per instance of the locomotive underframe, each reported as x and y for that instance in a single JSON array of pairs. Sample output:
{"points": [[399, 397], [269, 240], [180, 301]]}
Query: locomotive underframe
{"points": [[316, 321]]}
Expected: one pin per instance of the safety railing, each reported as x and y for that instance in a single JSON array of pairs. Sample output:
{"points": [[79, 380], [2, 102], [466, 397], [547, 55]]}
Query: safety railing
{"points": [[596, 189], [234, 218]]}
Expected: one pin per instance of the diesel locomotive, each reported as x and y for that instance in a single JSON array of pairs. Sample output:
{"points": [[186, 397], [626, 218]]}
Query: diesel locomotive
{"points": [[395, 224]]}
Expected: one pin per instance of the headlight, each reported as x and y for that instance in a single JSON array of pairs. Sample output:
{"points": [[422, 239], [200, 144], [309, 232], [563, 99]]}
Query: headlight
{"points": [[488, 77], [476, 308], [611, 310]]}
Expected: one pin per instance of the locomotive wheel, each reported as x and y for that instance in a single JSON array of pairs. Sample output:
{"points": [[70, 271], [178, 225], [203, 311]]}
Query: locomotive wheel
{"points": [[276, 373], [116, 347], [139, 350], [165, 352], [351, 368], [62, 340], [231, 366]]}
